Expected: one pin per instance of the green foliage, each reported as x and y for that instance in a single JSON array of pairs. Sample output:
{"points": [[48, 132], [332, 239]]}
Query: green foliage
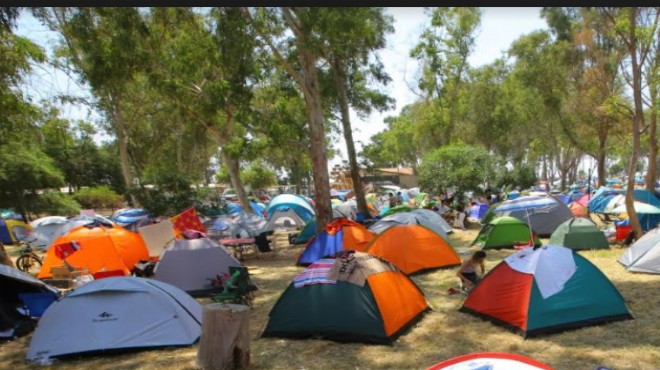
{"points": [[459, 166], [258, 176], [98, 198], [54, 203], [522, 177], [171, 194]]}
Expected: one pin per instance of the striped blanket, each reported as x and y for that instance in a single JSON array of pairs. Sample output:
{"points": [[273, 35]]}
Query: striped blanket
{"points": [[316, 273]]}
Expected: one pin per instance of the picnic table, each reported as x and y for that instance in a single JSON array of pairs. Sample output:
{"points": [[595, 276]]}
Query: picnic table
{"points": [[238, 245]]}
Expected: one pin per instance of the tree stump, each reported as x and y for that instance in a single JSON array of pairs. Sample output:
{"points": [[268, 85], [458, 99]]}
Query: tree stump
{"points": [[225, 340]]}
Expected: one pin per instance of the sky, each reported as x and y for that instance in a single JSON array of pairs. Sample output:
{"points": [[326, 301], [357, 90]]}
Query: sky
{"points": [[499, 28]]}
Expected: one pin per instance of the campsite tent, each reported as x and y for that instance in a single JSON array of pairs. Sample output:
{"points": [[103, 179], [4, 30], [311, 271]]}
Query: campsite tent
{"points": [[285, 219], [95, 254], [579, 233], [438, 224], [644, 254], [578, 210], [46, 229], [15, 283], [413, 249], [369, 302], [306, 233], [478, 210], [188, 264], [289, 202], [544, 290], [127, 244], [339, 235], [543, 220], [12, 231], [432, 220], [116, 313], [504, 232]]}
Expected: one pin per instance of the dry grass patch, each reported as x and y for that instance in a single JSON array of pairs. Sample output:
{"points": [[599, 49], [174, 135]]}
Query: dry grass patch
{"points": [[442, 333]]}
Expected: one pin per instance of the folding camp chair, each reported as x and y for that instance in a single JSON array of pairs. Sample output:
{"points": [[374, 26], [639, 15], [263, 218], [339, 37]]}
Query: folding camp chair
{"points": [[237, 289]]}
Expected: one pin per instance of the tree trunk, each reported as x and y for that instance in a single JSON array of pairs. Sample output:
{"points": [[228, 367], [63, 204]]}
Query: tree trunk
{"points": [[652, 173], [317, 134], [234, 169], [636, 125], [602, 155], [340, 85], [122, 140], [225, 339]]}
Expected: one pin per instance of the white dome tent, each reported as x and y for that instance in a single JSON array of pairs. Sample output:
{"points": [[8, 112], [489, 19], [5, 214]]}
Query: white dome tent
{"points": [[116, 313]]}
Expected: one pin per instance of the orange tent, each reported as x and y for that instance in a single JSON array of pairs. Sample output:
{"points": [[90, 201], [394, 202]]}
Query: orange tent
{"points": [[130, 245], [95, 253], [413, 249], [578, 210]]}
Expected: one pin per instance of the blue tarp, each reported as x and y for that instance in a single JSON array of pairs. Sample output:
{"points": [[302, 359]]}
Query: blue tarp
{"points": [[299, 205], [324, 245]]}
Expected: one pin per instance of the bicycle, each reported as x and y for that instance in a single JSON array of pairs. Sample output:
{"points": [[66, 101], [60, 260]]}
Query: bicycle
{"points": [[28, 261]]}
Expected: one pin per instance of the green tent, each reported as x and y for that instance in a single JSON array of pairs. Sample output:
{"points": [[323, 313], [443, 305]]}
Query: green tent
{"points": [[504, 232], [579, 233], [400, 208]]}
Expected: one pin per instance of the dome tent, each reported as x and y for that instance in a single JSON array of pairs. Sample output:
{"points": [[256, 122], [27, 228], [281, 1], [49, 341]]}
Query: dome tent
{"points": [[116, 313], [339, 235], [188, 264], [129, 245], [413, 249], [504, 232], [579, 233], [371, 301], [543, 290], [644, 254]]}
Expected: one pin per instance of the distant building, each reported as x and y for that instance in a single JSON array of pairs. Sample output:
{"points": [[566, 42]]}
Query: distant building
{"points": [[401, 176]]}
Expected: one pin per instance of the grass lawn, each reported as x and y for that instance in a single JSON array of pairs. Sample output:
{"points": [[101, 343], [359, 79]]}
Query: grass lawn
{"points": [[442, 333]]}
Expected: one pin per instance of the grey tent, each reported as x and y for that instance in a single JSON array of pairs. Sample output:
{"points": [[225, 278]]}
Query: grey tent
{"points": [[188, 264], [287, 219], [543, 221], [434, 218], [116, 313], [408, 218], [241, 225], [13, 283], [644, 254]]}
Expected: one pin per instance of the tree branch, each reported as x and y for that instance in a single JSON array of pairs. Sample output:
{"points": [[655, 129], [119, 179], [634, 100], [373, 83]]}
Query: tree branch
{"points": [[287, 66]]}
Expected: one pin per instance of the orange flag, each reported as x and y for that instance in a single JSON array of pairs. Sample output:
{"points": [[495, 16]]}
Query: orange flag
{"points": [[187, 220]]}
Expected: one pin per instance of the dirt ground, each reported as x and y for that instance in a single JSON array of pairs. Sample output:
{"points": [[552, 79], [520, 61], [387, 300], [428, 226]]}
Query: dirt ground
{"points": [[443, 333]]}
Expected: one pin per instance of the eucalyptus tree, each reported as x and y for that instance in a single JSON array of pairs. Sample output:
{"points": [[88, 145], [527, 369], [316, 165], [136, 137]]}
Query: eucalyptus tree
{"points": [[299, 52], [637, 29], [206, 65], [443, 51], [104, 46], [350, 38], [24, 166]]}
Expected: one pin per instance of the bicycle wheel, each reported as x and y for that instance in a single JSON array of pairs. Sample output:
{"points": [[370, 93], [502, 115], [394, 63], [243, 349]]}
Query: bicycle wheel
{"points": [[28, 263]]}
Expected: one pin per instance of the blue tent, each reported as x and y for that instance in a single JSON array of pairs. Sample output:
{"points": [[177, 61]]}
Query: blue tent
{"points": [[478, 210], [285, 202], [565, 198], [324, 245], [128, 216], [513, 195]]}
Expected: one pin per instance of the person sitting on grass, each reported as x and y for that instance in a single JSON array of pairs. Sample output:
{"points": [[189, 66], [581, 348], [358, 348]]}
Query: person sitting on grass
{"points": [[468, 270]]}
